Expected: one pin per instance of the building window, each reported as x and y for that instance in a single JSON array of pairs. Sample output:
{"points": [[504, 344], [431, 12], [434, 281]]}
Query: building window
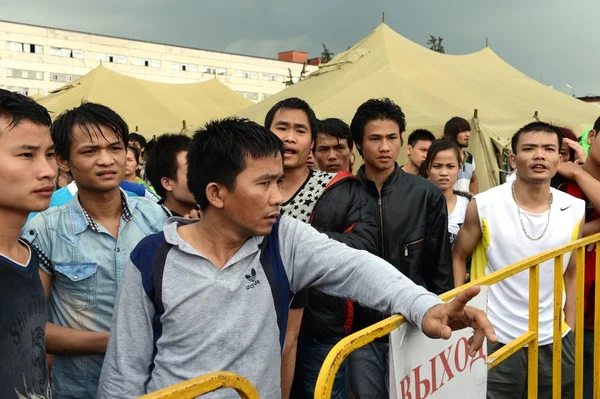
{"points": [[63, 77], [67, 53], [24, 74], [214, 70], [246, 74], [145, 62], [250, 95], [273, 77], [21, 90], [25, 47], [111, 58], [176, 66]]}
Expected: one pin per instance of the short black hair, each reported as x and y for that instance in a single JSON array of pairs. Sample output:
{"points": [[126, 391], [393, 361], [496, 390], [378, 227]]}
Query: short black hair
{"points": [[218, 153], [436, 147], [16, 107], [376, 109], [420, 135], [455, 126], [597, 125], [86, 116], [337, 128], [162, 159], [294, 103], [536, 127], [139, 138]]}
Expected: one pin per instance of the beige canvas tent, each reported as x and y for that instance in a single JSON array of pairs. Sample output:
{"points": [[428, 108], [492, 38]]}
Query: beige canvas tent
{"points": [[431, 88], [148, 107]]}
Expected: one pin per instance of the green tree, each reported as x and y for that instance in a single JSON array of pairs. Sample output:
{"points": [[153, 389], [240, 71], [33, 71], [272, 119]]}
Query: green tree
{"points": [[435, 44], [303, 72], [290, 80], [326, 55]]}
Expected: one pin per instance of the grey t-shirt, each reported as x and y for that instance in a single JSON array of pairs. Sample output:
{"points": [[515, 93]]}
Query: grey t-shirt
{"points": [[226, 319], [23, 372]]}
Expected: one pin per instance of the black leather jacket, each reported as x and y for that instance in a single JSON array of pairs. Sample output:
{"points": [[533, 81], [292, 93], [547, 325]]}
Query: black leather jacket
{"points": [[412, 217], [343, 214]]}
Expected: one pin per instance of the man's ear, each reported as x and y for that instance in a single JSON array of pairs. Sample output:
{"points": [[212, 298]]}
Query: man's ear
{"points": [[591, 136], [215, 195], [167, 183], [513, 161], [63, 164]]}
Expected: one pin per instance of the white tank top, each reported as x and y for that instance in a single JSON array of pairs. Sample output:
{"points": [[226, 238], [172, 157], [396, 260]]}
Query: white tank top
{"points": [[504, 243], [457, 217]]}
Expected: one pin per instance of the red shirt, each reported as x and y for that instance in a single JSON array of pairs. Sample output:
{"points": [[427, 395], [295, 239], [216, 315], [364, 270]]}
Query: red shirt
{"points": [[590, 254]]}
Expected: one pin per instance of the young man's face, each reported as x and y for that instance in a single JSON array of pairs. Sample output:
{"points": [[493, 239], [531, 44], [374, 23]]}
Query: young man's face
{"points": [[293, 128], [178, 189], [253, 202], [537, 158], [96, 163], [594, 142], [333, 153], [27, 166], [462, 139], [418, 153], [381, 144], [136, 144]]}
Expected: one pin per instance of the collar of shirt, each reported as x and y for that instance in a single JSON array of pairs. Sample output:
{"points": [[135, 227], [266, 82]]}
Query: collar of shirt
{"points": [[125, 213]]}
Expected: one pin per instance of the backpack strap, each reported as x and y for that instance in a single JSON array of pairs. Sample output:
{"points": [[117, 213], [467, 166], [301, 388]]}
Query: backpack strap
{"points": [[149, 256], [272, 264]]}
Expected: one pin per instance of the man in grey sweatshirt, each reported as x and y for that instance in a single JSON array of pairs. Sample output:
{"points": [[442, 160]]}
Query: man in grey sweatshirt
{"points": [[213, 294]]}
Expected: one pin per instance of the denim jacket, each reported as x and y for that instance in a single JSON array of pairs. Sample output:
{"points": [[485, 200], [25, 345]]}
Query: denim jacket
{"points": [[86, 263]]}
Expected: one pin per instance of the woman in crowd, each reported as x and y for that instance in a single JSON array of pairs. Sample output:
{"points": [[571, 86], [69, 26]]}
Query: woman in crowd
{"points": [[571, 151], [441, 168], [133, 165]]}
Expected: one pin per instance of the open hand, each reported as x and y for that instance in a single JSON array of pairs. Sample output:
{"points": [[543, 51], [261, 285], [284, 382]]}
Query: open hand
{"points": [[441, 320], [579, 151]]}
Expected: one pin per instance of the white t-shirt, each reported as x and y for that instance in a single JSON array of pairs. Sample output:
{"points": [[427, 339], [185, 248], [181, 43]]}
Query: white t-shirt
{"points": [[504, 243], [457, 217]]}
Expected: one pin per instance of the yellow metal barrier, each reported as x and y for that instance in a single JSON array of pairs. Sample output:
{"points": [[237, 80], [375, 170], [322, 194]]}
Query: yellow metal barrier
{"points": [[205, 384], [340, 352]]}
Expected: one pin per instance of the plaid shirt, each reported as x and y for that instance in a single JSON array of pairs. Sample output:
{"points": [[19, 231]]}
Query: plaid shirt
{"points": [[125, 214]]}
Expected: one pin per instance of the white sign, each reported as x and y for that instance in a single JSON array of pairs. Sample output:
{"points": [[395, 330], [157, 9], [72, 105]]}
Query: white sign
{"points": [[421, 367]]}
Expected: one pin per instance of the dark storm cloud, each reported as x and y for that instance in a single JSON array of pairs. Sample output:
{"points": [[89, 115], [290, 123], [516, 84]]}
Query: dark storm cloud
{"points": [[549, 40]]}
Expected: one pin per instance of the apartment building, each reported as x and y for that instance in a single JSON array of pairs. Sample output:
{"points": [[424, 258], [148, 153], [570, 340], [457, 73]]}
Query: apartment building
{"points": [[35, 60]]}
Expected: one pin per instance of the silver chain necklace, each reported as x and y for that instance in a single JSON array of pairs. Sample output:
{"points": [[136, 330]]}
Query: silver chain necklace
{"points": [[521, 217]]}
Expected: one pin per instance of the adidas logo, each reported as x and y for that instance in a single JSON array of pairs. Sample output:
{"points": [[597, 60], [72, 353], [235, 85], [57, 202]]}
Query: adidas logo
{"points": [[252, 278]]}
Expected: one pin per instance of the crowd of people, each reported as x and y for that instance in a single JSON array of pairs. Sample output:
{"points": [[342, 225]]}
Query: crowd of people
{"points": [[128, 266]]}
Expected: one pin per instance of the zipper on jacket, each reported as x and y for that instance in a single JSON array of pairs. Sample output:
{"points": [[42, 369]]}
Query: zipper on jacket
{"points": [[380, 204], [409, 244]]}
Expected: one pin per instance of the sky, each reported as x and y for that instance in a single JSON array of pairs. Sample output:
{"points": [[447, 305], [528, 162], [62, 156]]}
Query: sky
{"points": [[556, 42]]}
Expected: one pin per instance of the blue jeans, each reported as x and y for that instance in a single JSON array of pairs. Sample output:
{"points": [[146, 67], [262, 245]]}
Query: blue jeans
{"points": [[309, 359], [588, 364]]}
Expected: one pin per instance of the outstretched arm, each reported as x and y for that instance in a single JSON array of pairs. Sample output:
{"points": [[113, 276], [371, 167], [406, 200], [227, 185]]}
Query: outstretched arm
{"points": [[313, 260]]}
